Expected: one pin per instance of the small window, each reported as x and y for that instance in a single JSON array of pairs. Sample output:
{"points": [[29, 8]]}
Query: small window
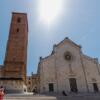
{"points": [[17, 30], [19, 20], [29, 82], [51, 87]]}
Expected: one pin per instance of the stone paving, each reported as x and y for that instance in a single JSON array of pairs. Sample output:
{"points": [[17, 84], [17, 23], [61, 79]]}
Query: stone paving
{"points": [[44, 97]]}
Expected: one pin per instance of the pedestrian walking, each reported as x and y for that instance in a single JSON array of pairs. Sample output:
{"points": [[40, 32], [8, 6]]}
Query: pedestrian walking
{"points": [[64, 93]]}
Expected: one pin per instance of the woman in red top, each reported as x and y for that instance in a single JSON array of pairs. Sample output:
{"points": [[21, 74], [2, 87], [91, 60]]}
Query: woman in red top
{"points": [[1, 94]]}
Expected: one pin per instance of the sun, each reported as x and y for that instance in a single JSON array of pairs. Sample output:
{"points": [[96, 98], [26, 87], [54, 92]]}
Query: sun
{"points": [[49, 10]]}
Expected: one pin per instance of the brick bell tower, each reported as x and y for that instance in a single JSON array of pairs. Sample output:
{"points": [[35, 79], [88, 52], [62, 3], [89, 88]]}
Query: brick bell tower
{"points": [[16, 52]]}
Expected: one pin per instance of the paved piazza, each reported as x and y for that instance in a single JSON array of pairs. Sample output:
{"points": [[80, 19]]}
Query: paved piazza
{"points": [[43, 97]]}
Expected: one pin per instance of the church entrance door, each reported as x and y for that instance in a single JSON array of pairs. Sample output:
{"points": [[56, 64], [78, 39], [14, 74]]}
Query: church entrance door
{"points": [[95, 87], [73, 85]]}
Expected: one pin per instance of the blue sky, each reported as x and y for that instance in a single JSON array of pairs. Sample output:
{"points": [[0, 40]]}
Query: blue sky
{"points": [[80, 22]]}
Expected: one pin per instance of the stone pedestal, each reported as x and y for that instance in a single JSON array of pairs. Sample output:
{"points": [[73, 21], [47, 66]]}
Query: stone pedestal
{"points": [[13, 85]]}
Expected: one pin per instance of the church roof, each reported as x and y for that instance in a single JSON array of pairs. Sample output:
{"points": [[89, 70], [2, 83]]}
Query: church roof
{"points": [[69, 40], [56, 45]]}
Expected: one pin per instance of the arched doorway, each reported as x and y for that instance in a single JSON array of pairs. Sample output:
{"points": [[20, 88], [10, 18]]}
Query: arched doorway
{"points": [[73, 85], [95, 87]]}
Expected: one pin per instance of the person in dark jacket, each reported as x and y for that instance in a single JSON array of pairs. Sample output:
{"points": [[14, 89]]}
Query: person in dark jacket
{"points": [[35, 90], [64, 93]]}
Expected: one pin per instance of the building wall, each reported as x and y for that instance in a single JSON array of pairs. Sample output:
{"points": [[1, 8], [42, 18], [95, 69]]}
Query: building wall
{"points": [[13, 86], [55, 69], [92, 72], [29, 83], [1, 70], [47, 74], [32, 82]]}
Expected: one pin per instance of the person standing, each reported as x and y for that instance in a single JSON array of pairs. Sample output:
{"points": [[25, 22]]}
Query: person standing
{"points": [[1, 94], [64, 93]]}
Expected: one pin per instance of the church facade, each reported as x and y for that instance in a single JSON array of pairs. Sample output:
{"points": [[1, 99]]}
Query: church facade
{"points": [[13, 72], [68, 69]]}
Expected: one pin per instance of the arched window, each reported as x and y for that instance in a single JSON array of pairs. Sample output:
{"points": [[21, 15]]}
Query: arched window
{"points": [[19, 20], [17, 29]]}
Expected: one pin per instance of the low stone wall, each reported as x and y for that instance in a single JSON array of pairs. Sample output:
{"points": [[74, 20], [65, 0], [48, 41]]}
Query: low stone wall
{"points": [[13, 86]]}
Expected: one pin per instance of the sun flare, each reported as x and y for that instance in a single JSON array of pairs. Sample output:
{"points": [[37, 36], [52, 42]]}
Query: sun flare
{"points": [[49, 10]]}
